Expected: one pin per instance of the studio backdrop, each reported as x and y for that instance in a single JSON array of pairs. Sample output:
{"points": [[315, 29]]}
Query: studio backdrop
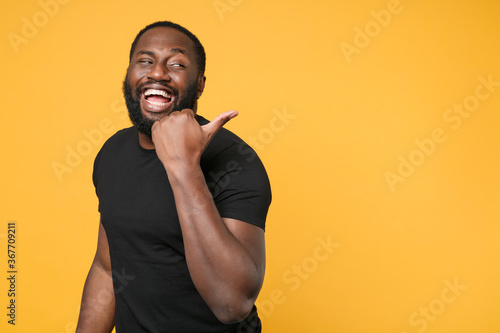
{"points": [[377, 121]]}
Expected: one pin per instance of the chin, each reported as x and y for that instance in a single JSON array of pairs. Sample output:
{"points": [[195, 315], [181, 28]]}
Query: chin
{"points": [[154, 115]]}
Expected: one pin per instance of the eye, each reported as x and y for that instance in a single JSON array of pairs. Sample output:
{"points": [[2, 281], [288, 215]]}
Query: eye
{"points": [[145, 61]]}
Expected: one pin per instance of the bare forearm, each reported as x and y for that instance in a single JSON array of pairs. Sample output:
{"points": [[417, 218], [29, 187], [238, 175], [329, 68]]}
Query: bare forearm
{"points": [[98, 303], [225, 258], [222, 269]]}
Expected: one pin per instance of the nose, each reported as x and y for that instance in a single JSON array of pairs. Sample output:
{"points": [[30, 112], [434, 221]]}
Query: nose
{"points": [[159, 72]]}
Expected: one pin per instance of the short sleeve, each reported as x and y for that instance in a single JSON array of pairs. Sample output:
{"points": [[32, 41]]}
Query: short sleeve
{"points": [[237, 180], [95, 174]]}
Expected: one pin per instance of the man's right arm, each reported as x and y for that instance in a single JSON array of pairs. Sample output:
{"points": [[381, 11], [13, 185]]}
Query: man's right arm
{"points": [[97, 310]]}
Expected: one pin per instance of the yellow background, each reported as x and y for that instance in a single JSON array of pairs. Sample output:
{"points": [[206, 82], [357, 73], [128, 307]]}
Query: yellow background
{"points": [[350, 118]]}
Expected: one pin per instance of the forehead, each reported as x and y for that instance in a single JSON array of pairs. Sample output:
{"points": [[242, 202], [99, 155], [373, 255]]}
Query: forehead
{"points": [[164, 38]]}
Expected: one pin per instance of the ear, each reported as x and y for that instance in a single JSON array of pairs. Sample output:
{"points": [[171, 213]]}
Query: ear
{"points": [[201, 85]]}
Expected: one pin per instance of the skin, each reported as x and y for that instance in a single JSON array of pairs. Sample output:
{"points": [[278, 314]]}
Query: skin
{"points": [[97, 310], [225, 257]]}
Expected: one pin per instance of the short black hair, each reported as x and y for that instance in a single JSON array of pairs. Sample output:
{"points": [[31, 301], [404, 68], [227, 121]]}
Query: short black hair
{"points": [[198, 48]]}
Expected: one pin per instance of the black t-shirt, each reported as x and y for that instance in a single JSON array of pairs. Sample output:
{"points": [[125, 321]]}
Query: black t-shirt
{"points": [[153, 288]]}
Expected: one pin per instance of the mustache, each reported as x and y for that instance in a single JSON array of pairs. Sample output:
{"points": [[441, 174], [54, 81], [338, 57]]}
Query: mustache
{"points": [[163, 83]]}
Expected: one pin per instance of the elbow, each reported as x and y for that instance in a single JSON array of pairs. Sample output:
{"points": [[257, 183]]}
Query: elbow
{"points": [[235, 304], [234, 312]]}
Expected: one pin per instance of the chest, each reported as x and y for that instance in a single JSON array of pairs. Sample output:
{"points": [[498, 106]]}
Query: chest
{"points": [[136, 202]]}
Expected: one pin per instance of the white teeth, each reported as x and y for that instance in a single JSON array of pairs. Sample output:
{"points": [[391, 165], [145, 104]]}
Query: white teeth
{"points": [[157, 103], [163, 93]]}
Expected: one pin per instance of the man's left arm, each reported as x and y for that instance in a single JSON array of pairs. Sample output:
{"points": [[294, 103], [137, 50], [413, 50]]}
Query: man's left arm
{"points": [[225, 257]]}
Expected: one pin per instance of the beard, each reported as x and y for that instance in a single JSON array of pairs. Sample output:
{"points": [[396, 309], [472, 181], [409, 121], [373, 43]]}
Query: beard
{"points": [[140, 121]]}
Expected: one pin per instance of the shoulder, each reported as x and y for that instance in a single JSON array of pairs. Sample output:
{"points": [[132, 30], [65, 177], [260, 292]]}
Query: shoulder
{"points": [[237, 178], [117, 144], [120, 139], [228, 146]]}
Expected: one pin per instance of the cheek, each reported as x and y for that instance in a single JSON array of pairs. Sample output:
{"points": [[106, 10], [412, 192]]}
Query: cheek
{"points": [[135, 76], [135, 79], [183, 80], [179, 78]]}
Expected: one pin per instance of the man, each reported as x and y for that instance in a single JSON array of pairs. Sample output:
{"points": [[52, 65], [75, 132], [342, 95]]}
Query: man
{"points": [[183, 204]]}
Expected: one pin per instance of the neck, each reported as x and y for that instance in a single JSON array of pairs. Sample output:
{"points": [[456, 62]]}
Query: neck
{"points": [[145, 141]]}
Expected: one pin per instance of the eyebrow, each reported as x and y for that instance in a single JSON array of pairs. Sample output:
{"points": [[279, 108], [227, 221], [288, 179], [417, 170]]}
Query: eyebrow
{"points": [[178, 50], [149, 53], [152, 54]]}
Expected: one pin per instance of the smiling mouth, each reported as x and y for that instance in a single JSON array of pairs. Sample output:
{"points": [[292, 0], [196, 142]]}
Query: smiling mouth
{"points": [[156, 100]]}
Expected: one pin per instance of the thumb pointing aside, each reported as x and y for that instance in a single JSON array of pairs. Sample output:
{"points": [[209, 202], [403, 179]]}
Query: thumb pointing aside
{"points": [[216, 124]]}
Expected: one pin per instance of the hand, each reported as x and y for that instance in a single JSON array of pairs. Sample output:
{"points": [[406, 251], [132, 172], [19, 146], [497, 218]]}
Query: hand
{"points": [[179, 140]]}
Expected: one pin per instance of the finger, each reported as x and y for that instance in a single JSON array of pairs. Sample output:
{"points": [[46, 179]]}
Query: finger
{"points": [[215, 125], [188, 112], [155, 124]]}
